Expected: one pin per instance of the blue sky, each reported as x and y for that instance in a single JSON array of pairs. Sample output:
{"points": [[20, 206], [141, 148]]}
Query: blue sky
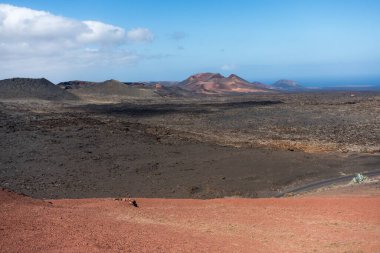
{"points": [[315, 42]]}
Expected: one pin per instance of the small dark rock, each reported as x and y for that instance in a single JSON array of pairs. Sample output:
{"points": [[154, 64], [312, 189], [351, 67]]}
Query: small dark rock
{"points": [[133, 202]]}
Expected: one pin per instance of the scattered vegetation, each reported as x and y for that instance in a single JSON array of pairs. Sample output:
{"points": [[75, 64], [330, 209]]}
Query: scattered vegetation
{"points": [[359, 178]]}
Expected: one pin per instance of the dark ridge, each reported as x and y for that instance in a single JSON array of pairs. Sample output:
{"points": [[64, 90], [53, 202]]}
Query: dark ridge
{"points": [[40, 88], [76, 84]]}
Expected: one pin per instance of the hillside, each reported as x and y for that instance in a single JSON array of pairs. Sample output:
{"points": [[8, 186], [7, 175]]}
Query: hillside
{"points": [[108, 89], [76, 84], [26, 88], [215, 83], [307, 224]]}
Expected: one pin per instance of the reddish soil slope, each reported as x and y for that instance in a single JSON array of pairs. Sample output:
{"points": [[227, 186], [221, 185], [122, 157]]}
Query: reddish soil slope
{"points": [[309, 224], [213, 83]]}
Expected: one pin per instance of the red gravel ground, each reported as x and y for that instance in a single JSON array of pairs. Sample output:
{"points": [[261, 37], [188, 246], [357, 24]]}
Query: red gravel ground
{"points": [[301, 224]]}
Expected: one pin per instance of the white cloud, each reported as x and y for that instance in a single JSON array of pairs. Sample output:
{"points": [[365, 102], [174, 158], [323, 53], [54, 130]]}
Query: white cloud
{"points": [[140, 35], [100, 32], [23, 23], [41, 41]]}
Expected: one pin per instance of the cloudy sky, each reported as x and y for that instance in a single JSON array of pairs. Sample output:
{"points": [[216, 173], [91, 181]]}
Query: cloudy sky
{"points": [[324, 42]]}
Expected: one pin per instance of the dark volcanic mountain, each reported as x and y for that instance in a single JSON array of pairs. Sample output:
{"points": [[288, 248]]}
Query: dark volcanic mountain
{"points": [[215, 83], [76, 84], [108, 89], [287, 85], [162, 83], [32, 88]]}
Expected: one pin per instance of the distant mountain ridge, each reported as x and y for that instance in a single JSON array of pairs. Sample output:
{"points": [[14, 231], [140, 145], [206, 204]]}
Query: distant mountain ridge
{"points": [[215, 83], [288, 85], [201, 84]]}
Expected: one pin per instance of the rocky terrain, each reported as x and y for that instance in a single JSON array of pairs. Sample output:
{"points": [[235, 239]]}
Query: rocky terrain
{"points": [[185, 147]]}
